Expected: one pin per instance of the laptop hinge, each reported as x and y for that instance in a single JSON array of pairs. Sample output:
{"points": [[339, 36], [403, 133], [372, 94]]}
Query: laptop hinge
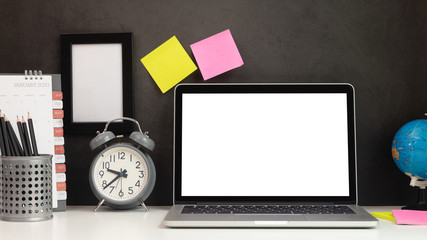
{"points": [[264, 203]]}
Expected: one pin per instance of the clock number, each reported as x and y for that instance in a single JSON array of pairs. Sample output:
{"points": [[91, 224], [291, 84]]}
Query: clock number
{"points": [[121, 194], [138, 164], [112, 188], [104, 183], [121, 155], [130, 190], [130, 158], [138, 184], [112, 158], [101, 173], [141, 174], [105, 165]]}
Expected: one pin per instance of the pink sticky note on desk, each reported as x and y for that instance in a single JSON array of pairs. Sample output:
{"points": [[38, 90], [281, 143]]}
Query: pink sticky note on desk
{"points": [[410, 217], [216, 54]]}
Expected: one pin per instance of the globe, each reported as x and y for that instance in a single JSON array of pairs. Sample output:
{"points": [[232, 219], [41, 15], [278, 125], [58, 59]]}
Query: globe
{"points": [[409, 149]]}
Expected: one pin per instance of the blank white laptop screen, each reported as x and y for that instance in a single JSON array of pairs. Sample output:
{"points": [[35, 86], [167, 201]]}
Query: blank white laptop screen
{"points": [[258, 144]]}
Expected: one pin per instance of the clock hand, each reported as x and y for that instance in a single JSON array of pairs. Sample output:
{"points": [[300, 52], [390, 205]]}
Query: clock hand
{"points": [[117, 183], [121, 174], [124, 173], [113, 171], [121, 185], [117, 177]]}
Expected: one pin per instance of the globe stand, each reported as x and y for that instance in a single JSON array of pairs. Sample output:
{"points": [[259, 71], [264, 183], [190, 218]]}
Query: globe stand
{"points": [[422, 203]]}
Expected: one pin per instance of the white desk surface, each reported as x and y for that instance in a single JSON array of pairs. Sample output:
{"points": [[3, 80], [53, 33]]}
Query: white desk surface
{"points": [[81, 222]]}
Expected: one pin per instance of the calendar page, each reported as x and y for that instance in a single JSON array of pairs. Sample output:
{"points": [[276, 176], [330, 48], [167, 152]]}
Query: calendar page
{"points": [[20, 95]]}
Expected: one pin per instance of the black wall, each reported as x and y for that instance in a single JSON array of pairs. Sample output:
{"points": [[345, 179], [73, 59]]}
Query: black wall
{"points": [[378, 46]]}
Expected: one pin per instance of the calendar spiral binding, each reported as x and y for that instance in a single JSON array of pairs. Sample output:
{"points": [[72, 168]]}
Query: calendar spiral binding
{"points": [[36, 74]]}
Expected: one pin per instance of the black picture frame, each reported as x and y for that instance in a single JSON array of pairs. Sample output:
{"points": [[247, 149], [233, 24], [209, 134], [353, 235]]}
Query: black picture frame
{"points": [[72, 126]]}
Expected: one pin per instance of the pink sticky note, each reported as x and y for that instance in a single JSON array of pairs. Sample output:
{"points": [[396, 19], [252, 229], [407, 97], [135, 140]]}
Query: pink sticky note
{"points": [[216, 54], [410, 217]]}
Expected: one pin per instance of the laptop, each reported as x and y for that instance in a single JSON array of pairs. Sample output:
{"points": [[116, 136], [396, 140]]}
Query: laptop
{"points": [[265, 155]]}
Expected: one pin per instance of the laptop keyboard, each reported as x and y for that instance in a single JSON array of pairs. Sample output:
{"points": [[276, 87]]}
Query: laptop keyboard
{"points": [[266, 209]]}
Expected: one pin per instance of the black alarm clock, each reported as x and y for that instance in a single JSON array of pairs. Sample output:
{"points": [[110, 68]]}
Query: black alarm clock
{"points": [[122, 175]]}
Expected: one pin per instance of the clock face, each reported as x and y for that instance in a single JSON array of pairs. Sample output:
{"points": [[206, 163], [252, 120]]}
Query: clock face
{"points": [[120, 173]]}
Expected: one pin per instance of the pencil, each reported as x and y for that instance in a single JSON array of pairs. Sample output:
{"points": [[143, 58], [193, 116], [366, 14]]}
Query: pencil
{"points": [[2, 148], [9, 138], [20, 152], [26, 135], [13, 139], [21, 135], [33, 135], [5, 136]]}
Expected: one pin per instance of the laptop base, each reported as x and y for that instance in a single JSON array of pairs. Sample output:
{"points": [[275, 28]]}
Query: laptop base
{"points": [[362, 220]]}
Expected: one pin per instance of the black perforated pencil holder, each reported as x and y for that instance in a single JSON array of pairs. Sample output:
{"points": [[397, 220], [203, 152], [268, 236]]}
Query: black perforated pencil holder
{"points": [[26, 188]]}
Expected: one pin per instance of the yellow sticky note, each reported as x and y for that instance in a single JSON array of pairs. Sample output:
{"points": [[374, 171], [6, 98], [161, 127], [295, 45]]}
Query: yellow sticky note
{"points": [[384, 215], [168, 64]]}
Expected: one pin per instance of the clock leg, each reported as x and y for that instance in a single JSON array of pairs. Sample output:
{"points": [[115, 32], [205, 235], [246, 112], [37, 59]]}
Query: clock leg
{"points": [[99, 204], [143, 205]]}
